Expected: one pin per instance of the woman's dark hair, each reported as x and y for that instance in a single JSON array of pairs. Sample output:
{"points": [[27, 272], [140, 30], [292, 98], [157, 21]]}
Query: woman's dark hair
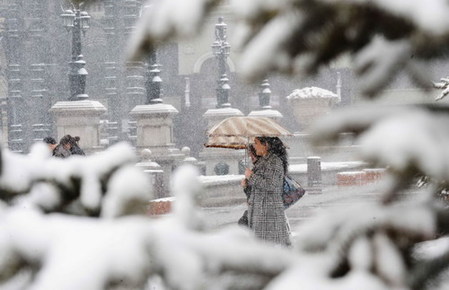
{"points": [[49, 140], [65, 140], [74, 140], [277, 147], [252, 149]]}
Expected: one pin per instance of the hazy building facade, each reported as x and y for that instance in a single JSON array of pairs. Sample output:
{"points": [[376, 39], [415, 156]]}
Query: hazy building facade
{"points": [[37, 51]]}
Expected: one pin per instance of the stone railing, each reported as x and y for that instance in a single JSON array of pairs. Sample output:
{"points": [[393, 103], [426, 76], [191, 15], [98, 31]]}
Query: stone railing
{"points": [[329, 171], [220, 190], [225, 190], [361, 177]]}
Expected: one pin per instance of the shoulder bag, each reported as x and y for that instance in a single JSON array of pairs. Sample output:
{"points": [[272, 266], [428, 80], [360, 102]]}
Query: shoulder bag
{"points": [[293, 191]]}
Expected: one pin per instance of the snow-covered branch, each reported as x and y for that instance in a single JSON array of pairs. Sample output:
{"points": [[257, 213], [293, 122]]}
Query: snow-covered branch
{"points": [[46, 250], [297, 36], [410, 141], [81, 185], [444, 86], [370, 246]]}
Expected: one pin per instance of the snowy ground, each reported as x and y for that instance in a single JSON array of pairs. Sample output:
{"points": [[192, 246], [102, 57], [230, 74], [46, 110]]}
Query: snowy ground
{"points": [[310, 206], [306, 208]]}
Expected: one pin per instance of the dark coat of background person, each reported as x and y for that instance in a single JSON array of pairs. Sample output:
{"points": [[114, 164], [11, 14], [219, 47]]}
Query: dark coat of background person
{"points": [[75, 148], [266, 215]]}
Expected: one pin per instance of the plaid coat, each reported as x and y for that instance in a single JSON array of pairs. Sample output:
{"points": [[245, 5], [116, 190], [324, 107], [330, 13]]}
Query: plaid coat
{"points": [[265, 211]]}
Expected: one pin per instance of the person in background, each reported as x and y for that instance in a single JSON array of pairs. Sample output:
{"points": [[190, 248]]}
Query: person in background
{"points": [[63, 149], [266, 215], [75, 148], [51, 143]]}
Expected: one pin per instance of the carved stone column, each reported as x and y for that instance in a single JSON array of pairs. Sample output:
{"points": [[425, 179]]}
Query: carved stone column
{"points": [[155, 132]]}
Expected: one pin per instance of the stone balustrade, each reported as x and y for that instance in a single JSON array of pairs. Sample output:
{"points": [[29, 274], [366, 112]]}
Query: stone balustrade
{"points": [[358, 178], [225, 190], [160, 206]]}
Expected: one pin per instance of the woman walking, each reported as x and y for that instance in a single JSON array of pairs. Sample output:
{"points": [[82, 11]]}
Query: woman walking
{"points": [[265, 210]]}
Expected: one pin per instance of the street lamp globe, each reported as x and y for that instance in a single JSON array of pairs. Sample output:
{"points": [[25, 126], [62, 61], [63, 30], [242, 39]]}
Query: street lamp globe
{"points": [[220, 28], [216, 47], [226, 48], [77, 22], [68, 18], [221, 49], [85, 20]]}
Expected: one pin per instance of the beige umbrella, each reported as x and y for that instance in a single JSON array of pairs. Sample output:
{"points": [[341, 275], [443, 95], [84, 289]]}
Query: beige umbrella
{"points": [[237, 132]]}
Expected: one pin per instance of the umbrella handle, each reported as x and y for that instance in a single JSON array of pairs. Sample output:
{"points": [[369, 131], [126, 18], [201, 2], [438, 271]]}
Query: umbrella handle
{"points": [[246, 152]]}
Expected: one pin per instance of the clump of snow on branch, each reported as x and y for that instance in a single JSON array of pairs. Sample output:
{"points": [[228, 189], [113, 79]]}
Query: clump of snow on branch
{"points": [[389, 56], [78, 184], [121, 247], [362, 248], [407, 140], [430, 16], [443, 84], [416, 130], [163, 20], [351, 248], [189, 191], [259, 55], [127, 193]]}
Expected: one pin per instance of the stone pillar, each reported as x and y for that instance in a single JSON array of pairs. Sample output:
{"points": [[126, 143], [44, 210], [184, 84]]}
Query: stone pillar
{"points": [[187, 158], [155, 132], [155, 172], [311, 103], [265, 109], [314, 184], [215, 116], [217, 158], [80, 118]]}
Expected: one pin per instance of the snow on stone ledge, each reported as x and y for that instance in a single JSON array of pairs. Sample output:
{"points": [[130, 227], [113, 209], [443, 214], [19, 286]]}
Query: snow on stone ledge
{"points": [[265, 113], [154, 109], [85, 105], [313, 92], [164, 199], [223, 112], [220, 179], [325, 166]]}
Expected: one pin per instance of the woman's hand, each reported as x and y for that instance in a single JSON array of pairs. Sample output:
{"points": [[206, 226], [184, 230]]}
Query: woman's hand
{"points": [[244, 182], [248, 173]]}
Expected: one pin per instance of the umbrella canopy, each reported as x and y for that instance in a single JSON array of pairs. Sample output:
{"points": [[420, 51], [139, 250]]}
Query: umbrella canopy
{"points": [[237, 132]]}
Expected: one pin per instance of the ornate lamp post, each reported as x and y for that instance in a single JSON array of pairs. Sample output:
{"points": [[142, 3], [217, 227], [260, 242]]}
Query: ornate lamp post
{"points": [[76, 21], [153, 81], [221, 50], [216, 159], [80, 118], [264, 95], [265, 109]]}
